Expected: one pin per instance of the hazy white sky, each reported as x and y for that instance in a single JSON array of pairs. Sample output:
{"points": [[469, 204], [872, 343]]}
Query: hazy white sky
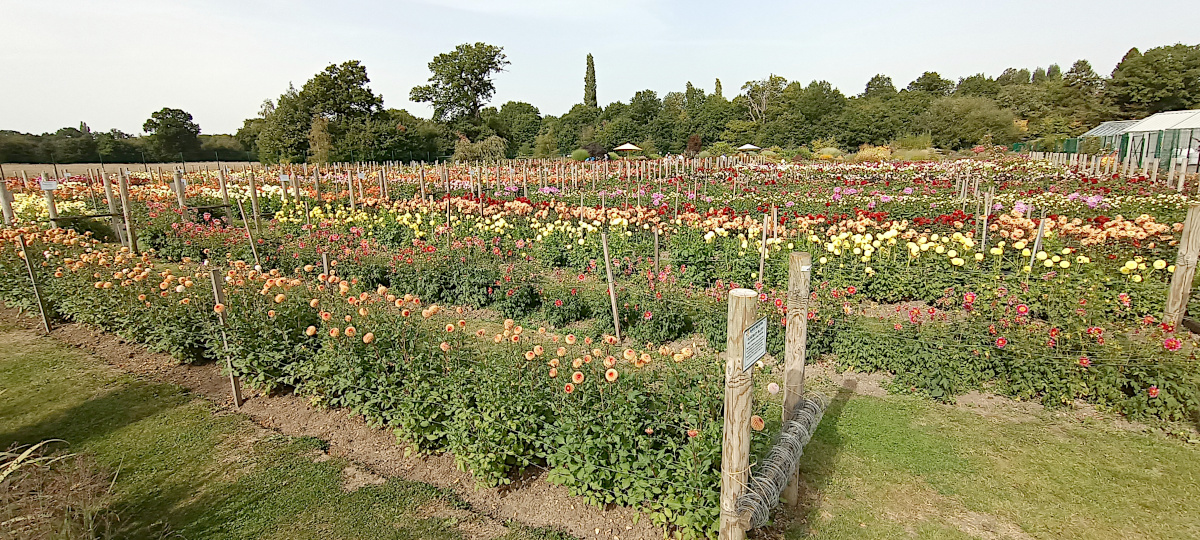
{"points": [[112, 63]]}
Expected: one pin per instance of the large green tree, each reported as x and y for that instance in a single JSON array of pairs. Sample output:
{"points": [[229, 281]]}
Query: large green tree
{"points": [[959, 122], [931, 83], [171, 132], [115, 146], [1013, 76], [1161, 79], [1080, 97], [880, 86], [340, 95], [589, 83], [340, 92], [283, 137], [978, 85], [520, 123], [760, 96], [461, 81]]}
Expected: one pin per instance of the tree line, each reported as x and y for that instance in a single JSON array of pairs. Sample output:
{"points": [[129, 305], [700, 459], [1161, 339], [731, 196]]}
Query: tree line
{"points": [[172, 135], [335, 116]]}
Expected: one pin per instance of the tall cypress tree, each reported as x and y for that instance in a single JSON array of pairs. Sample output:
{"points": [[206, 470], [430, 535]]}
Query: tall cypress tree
{"points": [[589, 84]]}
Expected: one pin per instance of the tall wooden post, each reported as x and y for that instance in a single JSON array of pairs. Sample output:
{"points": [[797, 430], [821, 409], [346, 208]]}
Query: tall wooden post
{"points": [[126, 203], [775, 222], [655, 248], [421, 172], [735, 446], [178, 185], [1037, 241], [253, 201], [762, 254], [1185, 268], [6, 203], [283, 188], [219, 299], [224, 189], [51, 207], [612, 288], [796, 332], [116, 220]]}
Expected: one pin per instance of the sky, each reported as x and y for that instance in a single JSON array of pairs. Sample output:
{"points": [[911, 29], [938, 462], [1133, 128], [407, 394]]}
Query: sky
{"points": [[112, 63]]}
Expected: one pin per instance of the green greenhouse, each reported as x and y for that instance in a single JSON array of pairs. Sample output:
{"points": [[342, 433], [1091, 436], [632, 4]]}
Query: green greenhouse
{"points": [[1169, 137], [1109, 133]]}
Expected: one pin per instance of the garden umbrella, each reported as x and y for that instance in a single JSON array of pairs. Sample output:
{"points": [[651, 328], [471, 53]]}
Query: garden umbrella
{"points": [[629, 147], [748, 147]]}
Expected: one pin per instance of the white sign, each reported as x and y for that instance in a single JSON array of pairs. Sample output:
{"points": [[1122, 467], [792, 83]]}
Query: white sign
{"points": [[48, 185], [283, 177], [754, 344], [361, 175]]}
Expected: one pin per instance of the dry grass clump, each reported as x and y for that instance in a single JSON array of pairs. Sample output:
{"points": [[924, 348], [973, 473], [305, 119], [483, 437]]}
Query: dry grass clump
{"points": [[47, 495]]}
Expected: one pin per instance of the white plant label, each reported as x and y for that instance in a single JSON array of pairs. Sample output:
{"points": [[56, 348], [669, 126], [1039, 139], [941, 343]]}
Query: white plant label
{"points": [[754, 344]]}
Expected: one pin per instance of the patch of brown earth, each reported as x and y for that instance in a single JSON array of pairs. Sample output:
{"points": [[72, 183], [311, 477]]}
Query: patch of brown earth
{"points": [[866, 384], [999, 407], [472, 526], [354, 478], [922, 503], [532, 500]]}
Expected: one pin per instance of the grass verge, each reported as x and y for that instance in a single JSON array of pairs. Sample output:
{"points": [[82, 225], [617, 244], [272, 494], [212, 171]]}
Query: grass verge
{"points": [[185, 470], [903, 467]]}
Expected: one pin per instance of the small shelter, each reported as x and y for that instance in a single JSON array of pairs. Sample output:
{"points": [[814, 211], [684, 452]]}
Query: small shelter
{"points": [[1109, 133], [628, 147], [1167, 136], [748, 148]]}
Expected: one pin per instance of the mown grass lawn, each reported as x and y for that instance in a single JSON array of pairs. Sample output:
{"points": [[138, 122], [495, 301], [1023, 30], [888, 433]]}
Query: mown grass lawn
{"points": [[903, 467], [185, 471]]}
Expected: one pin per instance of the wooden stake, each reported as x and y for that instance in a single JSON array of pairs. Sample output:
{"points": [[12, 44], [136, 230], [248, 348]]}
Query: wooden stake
{"points": [[735, 446], [224, 189], [799, 272], [130, 232], [1185, 268], [178, 185], [762, 254], [775, 222], [612, 290], [249, 235], [50, 206], [422, 176], [655, 248], [219, 298], [116, 221], [37, 292], [253, 202], [6, 203], [1037, 242]]}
